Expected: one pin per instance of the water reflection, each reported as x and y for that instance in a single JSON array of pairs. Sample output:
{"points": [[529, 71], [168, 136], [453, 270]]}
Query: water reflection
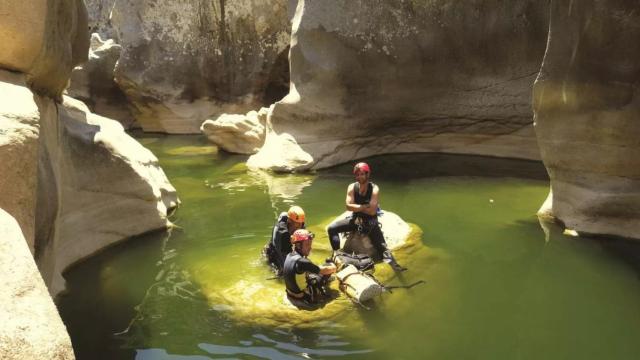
{"points": [[283, 189]]}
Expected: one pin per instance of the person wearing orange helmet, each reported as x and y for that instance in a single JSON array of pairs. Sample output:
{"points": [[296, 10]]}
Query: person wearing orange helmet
{"points": [[362, 201], [280, 243], [303, 279]]}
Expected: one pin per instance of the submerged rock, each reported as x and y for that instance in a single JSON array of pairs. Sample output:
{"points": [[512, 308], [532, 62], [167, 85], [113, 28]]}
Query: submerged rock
{"points": [[256, 301], [587, 117]]}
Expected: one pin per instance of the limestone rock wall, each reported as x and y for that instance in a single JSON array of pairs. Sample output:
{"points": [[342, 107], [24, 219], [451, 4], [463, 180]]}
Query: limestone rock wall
{"points": [[587, 116], [19, 130], [93, 82], [183, 62], [44, 39], [107, 187], [31, 326], [373, 77]]}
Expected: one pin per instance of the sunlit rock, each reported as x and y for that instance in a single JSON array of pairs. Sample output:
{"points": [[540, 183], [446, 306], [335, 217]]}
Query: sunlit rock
{"points": [[31, 327], [97, 186], [379, 77], [183, 62], [44, 40], [280, 153], [18, 152], [251, 298], [394, 229], [92, 82], [586, 117], [243, 134]]}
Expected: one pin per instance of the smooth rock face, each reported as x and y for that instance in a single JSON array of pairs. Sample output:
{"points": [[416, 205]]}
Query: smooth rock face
{"points": [[587, 111], [97, 186], [187, 61], [18, 152], [31, 327], [93, 82], [374, 77], [243, 134], [56, 41], [99, 14]]}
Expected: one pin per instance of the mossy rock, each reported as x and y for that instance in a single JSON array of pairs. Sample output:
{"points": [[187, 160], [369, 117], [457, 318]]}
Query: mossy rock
{"points": [[254, 300]]}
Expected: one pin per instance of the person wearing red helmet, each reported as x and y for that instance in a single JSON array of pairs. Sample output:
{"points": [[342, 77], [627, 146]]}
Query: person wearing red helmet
{"points": [[362, 200], [280, 243], [303, 279]]}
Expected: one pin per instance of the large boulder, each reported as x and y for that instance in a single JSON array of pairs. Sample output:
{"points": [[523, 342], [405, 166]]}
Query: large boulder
{"points": [[395, 230], [93, 83], [55, 42], [374, 77], [97, 186], [186, 61], [18, 152], [587, 111], [31, 327], [243, 134]]}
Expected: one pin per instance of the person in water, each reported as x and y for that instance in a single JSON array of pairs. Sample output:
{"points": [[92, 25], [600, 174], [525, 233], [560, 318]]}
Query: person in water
{"points": [[280, 243], [303, 279], [362, 200]]}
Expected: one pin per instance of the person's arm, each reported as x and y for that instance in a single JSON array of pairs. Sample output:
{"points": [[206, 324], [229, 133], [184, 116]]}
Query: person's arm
{"points": [[370, 209], [372, 206], [305, 265], [351, 206]]}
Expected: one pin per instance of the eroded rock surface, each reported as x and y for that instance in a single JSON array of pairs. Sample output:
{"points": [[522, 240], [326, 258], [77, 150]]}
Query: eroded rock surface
{"points": [[188, 61], [375, 77], [31, 327], [19, 131], [243, 134], [97, 186], [93, 83], [45, 39], [587, 111]]}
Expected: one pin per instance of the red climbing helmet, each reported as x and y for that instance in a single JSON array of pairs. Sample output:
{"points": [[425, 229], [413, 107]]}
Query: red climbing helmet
{"points": [[361, 166], [301, 235]]}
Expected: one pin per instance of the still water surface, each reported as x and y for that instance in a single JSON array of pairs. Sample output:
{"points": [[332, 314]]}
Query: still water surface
{"points": [[497, 286]]}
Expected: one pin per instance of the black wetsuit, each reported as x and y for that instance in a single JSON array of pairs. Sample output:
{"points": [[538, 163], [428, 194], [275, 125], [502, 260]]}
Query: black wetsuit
{"points": [[365, 223], [297, 272], [280, 244]]}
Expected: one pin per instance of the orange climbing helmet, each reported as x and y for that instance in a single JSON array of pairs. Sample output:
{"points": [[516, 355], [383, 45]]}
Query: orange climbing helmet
{"points": [[361, 166], [296, 214], [301, 235]]}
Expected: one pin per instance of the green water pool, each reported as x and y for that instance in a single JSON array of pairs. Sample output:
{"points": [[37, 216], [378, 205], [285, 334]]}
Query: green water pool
{"points": [[497, 285]]}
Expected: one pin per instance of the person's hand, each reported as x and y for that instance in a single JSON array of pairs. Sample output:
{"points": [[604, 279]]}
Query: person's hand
{"points": [[328, 269]]}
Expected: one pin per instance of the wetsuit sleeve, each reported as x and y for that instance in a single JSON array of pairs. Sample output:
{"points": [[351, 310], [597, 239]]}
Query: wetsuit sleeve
{"points": [[305, 265]]}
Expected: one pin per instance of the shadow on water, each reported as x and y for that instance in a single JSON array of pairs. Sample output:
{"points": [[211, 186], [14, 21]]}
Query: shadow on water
{"points": [[406, 167]]}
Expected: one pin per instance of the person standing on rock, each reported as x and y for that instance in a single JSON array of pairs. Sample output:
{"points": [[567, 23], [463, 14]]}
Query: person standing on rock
{"points": [[280, 244], [362, 200]]}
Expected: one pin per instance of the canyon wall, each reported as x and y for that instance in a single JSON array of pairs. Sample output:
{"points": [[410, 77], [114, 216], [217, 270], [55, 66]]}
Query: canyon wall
{"points": [[587, 116], [377, 77]]}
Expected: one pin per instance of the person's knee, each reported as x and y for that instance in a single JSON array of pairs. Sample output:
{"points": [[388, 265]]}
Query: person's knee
{"points": [[332, 229]]}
